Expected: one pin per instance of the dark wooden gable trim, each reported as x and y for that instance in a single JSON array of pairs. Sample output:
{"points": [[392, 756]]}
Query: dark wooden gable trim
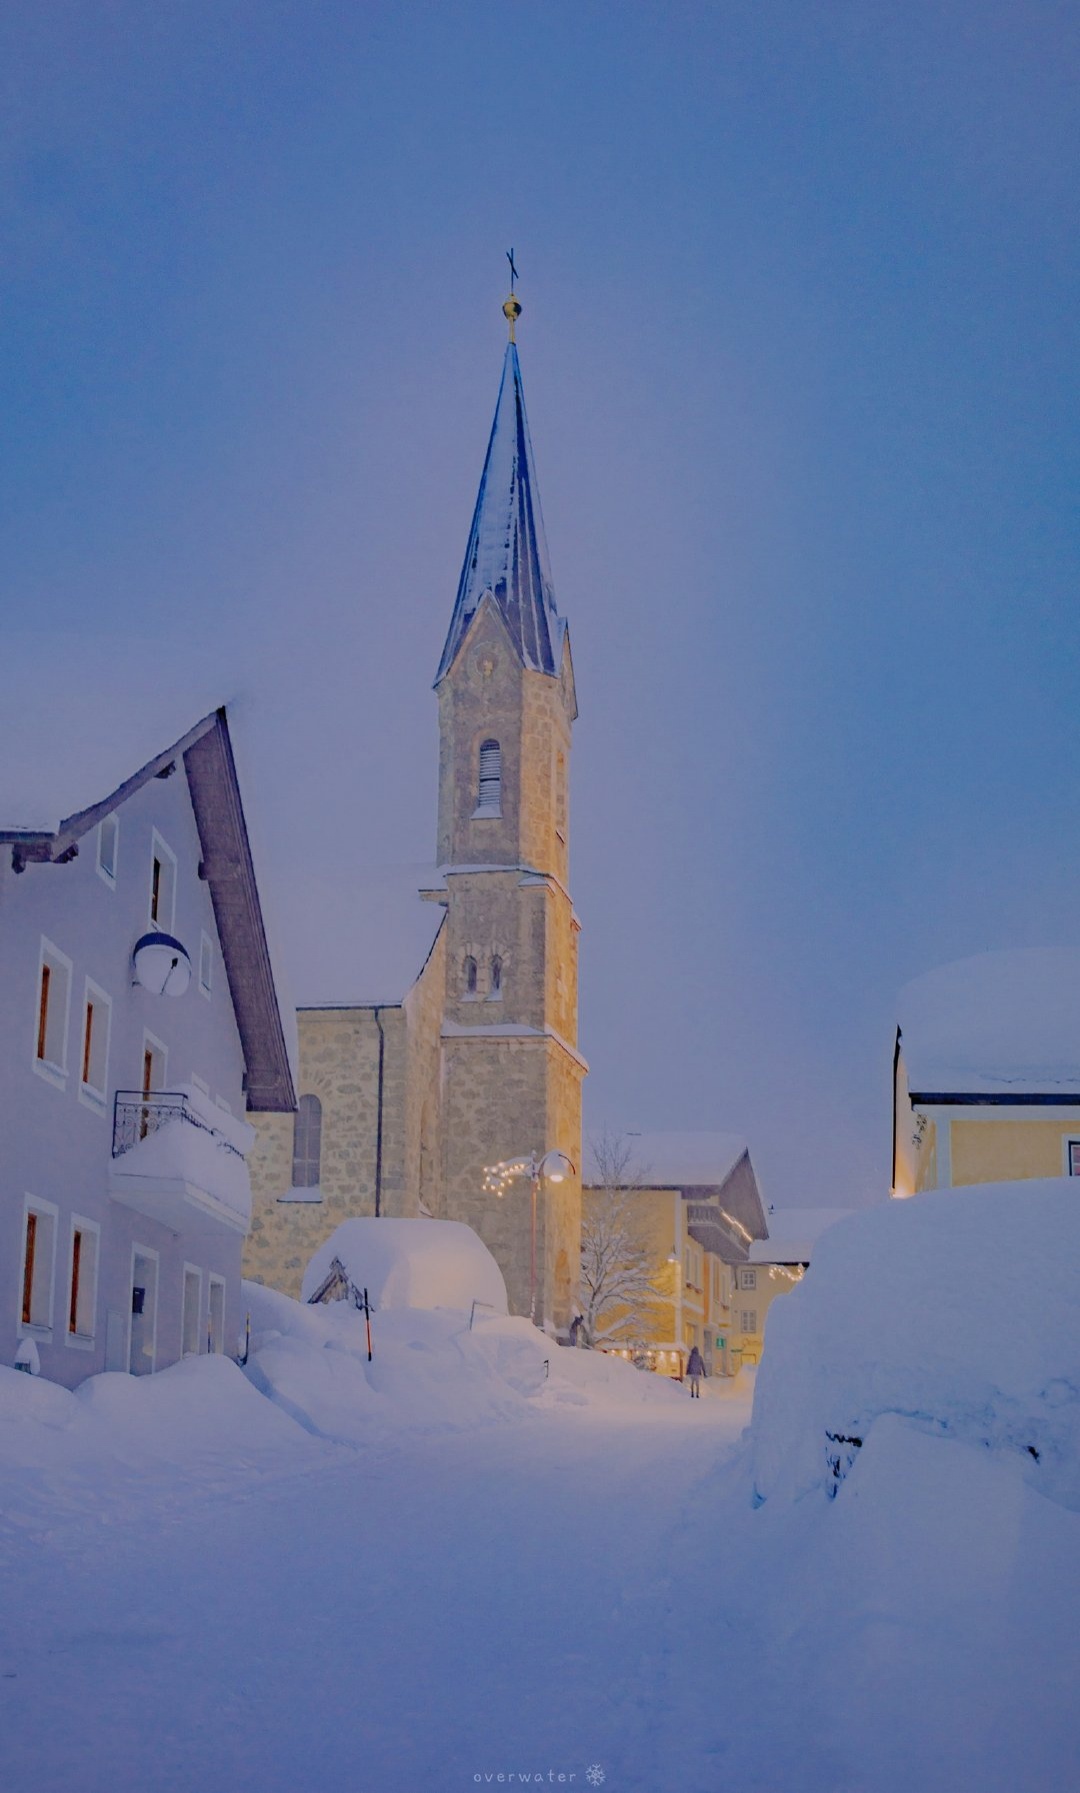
{"points": [[229, 871]]}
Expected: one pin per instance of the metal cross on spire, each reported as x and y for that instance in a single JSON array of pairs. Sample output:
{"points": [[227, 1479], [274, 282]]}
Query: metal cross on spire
{"points": [[512, 306]]}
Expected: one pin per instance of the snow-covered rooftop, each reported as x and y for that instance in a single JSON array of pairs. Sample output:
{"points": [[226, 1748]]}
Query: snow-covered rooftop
{"points": [[88, 750], [383, 933], [793, 1233], [673, 1160], [411, 1263], [997, 1023]]}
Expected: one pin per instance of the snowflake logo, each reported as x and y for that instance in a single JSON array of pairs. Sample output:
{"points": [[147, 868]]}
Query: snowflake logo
{"points": [[595, 1775]]}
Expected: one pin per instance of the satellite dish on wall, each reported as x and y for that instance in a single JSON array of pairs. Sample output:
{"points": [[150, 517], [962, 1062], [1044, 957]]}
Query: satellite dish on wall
{"points": [[162, 965]]}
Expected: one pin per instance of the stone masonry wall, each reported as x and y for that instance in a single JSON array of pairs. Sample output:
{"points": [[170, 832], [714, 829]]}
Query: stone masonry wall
{"points": [[339, 1063]]}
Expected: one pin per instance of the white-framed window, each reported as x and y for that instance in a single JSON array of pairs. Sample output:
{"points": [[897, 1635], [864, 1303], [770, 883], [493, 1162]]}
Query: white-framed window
{"points": [[38, 1264], [94, 1046], [83, 1255], [220, 1102], [206, 964], [748, 1318], [307, 1143], [748, 1279], [489, 780], [142, 1337], [200, 1083], [215, 1315], [52, 1013], [162, 884], [191, 1325], [108, 849], [1072, 1157]]}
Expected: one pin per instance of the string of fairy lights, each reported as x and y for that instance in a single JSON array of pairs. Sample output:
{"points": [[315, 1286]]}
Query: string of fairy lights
{"points": [[498, 1177]]}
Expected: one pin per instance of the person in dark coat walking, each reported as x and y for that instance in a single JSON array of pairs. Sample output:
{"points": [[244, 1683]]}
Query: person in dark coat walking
{"points": [[695, 1370]]}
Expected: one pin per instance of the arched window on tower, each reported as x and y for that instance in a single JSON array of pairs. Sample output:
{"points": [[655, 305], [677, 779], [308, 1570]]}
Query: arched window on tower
{"points": [[489, 783], [307, 1143], [495, 989], [470, 976]]}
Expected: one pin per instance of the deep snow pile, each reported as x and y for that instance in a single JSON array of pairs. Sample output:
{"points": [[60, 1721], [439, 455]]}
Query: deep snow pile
{"points": [[429, 1369], [199, 1423], [918, 1397], [958, 1310], [412, 1263]]}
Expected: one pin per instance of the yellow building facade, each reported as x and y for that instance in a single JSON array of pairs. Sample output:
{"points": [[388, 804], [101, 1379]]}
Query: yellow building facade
{"points": [[986, 1072], [696, 1212]]}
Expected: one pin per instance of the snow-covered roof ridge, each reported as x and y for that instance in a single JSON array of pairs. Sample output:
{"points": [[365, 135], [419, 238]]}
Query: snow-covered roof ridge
{"points": [[50, 801], [793, 1233], [676, 1160], [507, 558], [83, 774], [384, 934], [998, 1023]]}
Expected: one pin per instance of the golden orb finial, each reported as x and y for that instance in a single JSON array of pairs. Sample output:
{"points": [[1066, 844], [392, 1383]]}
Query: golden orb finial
{"points": [[511, 308], [511, 312]]}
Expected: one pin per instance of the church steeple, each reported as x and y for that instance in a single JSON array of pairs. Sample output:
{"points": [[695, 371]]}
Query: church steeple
{"points": [[509, 1070], [507, 553]]}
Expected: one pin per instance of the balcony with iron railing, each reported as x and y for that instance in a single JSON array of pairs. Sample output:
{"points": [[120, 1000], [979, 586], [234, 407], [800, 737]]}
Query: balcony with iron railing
{"points": [[137, 1114], [178, 1158]]}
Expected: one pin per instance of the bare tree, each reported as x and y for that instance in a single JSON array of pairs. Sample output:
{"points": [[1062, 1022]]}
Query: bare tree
{"points": [[619, 1270]]}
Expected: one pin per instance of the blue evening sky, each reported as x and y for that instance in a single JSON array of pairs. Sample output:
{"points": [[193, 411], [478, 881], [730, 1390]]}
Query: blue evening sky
{"points": [[800, 353]]}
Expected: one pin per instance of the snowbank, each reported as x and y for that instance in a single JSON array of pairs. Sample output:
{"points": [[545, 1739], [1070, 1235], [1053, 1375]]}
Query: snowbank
{"points": [[62, 1451], [429, 1370], [958, 1309], [412, 1263]]}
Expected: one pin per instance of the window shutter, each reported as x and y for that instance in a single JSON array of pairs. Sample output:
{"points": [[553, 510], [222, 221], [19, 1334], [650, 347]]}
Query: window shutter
{"points": [[489, 794]]}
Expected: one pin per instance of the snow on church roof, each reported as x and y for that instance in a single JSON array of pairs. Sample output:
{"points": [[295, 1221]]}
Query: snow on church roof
{"points": [[374, 938], [996, 1024], [507, 554]]}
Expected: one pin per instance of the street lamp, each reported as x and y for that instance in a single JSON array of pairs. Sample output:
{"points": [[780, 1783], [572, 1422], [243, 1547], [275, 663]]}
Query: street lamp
{"points": [[675, 1261], [555, 1166]]}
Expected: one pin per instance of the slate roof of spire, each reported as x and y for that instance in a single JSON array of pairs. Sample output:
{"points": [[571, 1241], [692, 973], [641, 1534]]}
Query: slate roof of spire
{"points": [[507, 551]]}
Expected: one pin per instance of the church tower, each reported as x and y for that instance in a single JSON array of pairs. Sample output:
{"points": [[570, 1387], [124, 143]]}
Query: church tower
{"points": [[511, 1071]]}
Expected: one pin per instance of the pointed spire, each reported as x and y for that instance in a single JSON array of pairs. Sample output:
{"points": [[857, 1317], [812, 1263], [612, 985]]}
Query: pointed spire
{"points": [[507, 551]]}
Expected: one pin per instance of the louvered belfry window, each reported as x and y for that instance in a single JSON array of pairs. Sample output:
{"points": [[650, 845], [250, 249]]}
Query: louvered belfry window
{"points": [[489, 794]]}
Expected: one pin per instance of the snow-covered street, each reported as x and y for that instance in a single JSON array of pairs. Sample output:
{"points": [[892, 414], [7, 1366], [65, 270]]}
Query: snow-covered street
{"points": [[517, 1598], [577, 1587], [477, 1559]]}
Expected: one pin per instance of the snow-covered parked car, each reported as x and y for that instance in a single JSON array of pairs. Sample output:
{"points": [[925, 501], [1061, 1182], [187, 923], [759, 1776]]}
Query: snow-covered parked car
{"points": [[957, 1311]]}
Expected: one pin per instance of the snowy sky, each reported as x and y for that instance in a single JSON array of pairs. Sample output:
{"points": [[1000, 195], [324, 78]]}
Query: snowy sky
{"points": [[800, 354]]}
